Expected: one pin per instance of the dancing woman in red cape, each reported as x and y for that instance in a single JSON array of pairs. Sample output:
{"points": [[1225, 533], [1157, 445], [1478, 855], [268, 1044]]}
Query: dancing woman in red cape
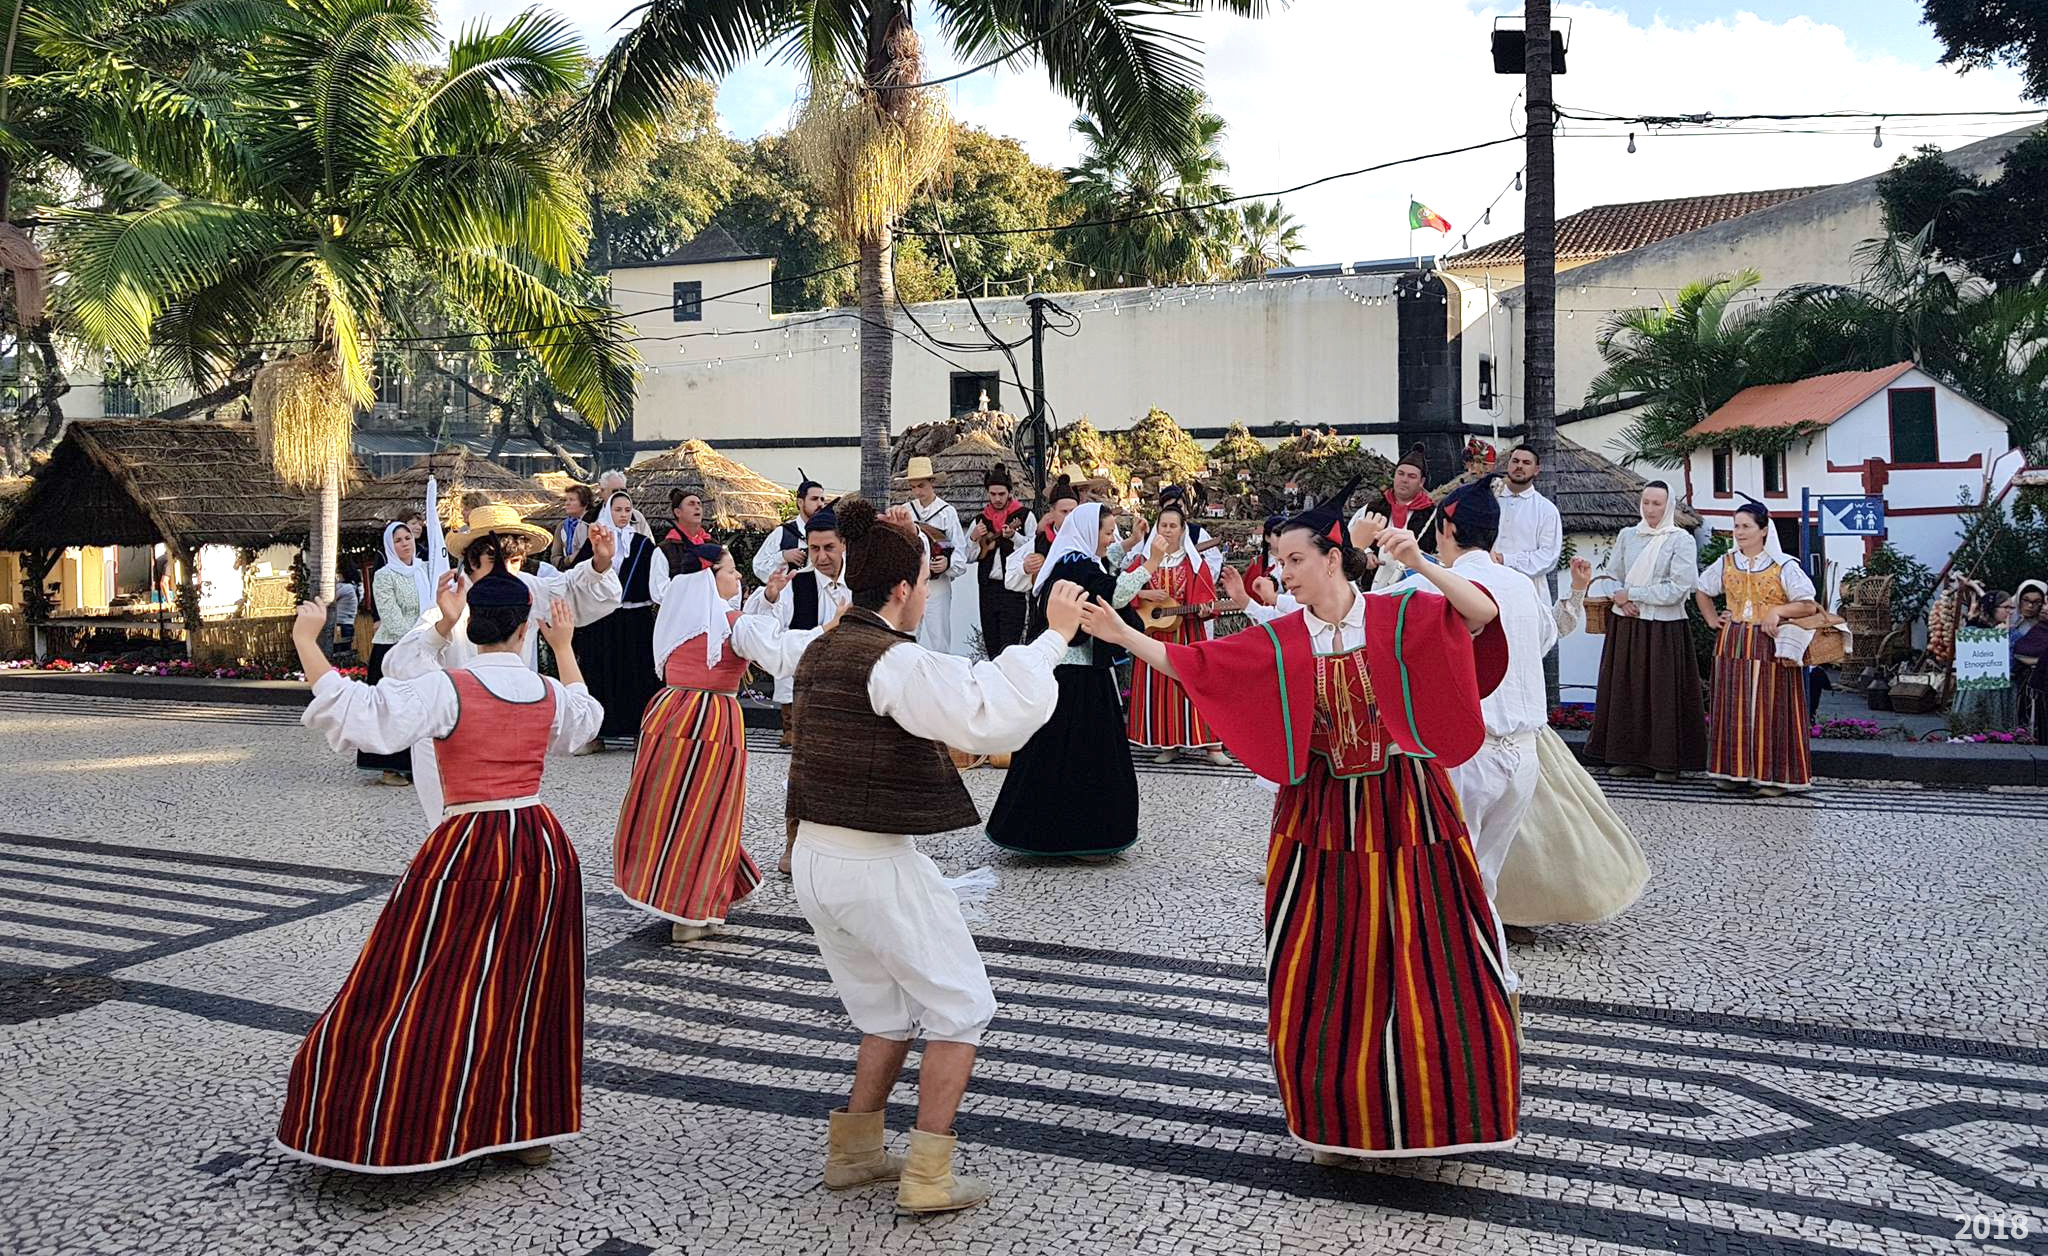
{"points": [[1390, 1025]]}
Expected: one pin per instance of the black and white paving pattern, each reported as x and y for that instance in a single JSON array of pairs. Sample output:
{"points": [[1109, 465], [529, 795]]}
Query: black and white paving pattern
{"points": [[1820, 1030]]}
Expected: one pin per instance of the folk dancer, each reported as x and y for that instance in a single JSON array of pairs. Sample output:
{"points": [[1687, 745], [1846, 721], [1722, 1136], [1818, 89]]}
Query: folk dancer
{"points": [[784, 547], [615, 648], [1405, 505], [1648, 716], [1531, 533], [676, 852], [811, 598], [1001, 528], [1758, 718], [872, 770], [1388, 1013], [401, 591], [496, 540], [1574, 860], [939, 522], [1161, 716], [1497, 782], [1071, 790], [459, 1031]]}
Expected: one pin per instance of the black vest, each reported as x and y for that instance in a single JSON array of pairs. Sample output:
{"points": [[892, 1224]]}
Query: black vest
{"points": [[804, 612], [633, 573]]}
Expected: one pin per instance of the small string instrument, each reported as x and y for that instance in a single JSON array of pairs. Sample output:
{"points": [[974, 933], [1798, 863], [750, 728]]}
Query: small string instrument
{"points": [[1160, 616]]}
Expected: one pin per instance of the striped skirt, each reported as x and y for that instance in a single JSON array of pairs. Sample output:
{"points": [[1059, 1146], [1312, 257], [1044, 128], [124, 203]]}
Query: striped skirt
{"points": [[1759, 731], [1160, 714], [460, 1029], [1387, 1010], [677, 851]]}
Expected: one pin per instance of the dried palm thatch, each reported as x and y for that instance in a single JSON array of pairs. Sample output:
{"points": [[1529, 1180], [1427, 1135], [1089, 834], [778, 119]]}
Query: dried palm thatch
{"points": [[867, 153], [304, 417], [958, 470], [736, 497], [140, 481], [12, 494], [31, 273], [1592, 494], [929, 440], [374, 503]]}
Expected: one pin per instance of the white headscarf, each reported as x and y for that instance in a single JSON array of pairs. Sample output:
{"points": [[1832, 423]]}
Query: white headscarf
{"points": [[1188, 548], [1078, 534], [1644, 568], [690, 608], [422, 579]]}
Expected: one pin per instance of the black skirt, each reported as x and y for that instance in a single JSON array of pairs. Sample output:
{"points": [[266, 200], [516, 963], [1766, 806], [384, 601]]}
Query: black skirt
{"points": [[1649, 713], [401, 762], [1072, 790], [617, 657]]}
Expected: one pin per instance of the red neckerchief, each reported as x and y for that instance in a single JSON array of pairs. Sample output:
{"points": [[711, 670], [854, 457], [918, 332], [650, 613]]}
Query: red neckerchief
{"points": [[1397, 514], [999, 520], [676, 533]]}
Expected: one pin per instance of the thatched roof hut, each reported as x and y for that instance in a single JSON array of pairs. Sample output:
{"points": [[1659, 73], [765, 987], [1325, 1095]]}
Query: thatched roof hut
{"points": [[12, 493], [735, 496], [959, 468], [375, 503], [141, 481], [1593, 495], [929, 440]]}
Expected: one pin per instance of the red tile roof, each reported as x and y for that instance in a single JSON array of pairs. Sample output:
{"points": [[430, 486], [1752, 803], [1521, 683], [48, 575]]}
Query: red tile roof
{"points": [[1821, 399], [1606, 230]]}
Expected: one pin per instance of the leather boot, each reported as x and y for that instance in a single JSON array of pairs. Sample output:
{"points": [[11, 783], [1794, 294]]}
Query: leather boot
{"points": [[854, 1155], [929, 1184], [788, 737]]}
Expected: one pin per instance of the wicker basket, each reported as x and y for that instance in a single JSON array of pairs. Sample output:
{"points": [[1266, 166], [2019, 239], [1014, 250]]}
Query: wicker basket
{"points": [[1830, 644], [1596, 615]]}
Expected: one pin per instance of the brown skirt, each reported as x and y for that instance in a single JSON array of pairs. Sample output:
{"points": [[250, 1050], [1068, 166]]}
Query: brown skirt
{"points": [[1650, 712]]}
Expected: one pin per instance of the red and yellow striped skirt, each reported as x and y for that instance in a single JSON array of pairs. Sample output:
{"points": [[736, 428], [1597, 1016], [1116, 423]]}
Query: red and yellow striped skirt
{"points": [[1160, 714], [460, 1029], [1387, 1010], [677, 851], [1759, 727]]}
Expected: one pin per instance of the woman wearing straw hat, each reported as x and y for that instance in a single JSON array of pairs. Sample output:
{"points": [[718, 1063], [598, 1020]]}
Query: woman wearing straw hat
{"points": [[498, 540], [939, 522]]}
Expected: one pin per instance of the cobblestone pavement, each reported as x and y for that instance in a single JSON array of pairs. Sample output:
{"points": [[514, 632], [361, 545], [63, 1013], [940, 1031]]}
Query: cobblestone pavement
{"points": [[1820, 1030]]}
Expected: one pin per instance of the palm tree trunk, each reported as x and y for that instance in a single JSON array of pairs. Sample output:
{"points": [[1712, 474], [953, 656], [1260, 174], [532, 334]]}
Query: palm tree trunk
{"points": [[323, 541], [877, 367], [1539, 270]]}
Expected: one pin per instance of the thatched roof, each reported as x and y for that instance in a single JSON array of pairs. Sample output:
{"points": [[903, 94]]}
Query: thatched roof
{"points": [[959, 468], [1592, 493], [12, 493], [371, 505], [735, 496], [140, 481]]}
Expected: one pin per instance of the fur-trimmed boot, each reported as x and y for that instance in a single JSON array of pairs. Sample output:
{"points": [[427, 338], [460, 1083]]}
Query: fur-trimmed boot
{"points": [[929, 1184], [853, 1151]]}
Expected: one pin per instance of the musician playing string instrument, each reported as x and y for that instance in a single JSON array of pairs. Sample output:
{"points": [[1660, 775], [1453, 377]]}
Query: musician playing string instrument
{"points": [[995, 534], [1178, 601]]}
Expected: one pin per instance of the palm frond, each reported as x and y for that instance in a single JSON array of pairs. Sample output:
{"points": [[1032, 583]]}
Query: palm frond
{"points": [[121, 269], [533, 55], [580, 345], [674, 41]]}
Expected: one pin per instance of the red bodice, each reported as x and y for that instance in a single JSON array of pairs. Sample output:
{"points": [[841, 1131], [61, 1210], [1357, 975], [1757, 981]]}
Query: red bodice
{"points": [[1347, 731], [497, 747], [685, 669]]}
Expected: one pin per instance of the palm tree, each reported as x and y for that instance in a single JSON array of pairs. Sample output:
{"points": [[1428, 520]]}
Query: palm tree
{"points": [[1267, 237], [1678, 362], [1114, 182], [339, 177], [863, 58]]}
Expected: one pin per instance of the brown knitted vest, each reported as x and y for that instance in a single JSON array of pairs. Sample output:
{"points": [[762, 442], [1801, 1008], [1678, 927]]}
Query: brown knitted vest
{"points": [[855, 768]]}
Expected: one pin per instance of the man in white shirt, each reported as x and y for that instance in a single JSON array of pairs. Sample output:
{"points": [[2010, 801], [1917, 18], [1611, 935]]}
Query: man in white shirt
{"points": [[871, 772], [813, 598], [1495, 786], [784, 548], [939, 522], [1531, 534]]}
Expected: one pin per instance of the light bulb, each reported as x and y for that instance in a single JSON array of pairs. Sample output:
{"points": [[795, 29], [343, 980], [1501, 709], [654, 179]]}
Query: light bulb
{"points": [[1486, 218], [1631, 141], [2016, 259], [1568, 313], [1518, 180], [1877, 136], [1091, 272]]}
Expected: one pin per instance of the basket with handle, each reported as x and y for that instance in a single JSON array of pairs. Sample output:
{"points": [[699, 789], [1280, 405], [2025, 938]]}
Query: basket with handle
{"points": [[1598, 608]]}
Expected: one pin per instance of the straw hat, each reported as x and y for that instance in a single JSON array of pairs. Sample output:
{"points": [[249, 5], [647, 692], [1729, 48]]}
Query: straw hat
{"points": [[494, 520], [918, 468]]}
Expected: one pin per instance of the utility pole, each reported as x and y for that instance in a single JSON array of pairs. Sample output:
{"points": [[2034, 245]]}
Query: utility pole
{"points": [[1038, 302], [1539, 269]]}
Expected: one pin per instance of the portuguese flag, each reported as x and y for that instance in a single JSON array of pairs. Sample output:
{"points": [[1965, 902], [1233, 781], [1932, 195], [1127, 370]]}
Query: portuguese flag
{"points": [[1421, 216]]}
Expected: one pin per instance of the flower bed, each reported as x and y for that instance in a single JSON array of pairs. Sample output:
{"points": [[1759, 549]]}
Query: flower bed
{"points": [[1991, 737], [175, 669], [1571, 717], [1850, 730]]}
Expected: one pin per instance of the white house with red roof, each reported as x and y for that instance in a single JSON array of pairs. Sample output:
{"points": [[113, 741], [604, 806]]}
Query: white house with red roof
{"points": [[1896, 433]]}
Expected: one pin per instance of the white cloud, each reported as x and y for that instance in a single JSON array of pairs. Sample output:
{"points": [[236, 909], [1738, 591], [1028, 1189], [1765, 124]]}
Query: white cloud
{"points": [[1330, 85]]}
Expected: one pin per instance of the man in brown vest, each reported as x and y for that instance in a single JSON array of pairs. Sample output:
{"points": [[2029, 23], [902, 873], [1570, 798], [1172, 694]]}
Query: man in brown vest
{"points": [[878, 711]]}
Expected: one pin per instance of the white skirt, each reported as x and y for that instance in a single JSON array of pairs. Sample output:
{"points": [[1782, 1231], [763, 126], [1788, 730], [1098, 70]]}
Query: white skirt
{"points": [[1575, 860]]}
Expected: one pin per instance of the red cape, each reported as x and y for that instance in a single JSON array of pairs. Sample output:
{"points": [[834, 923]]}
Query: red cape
{"points": [[1257, 688]]}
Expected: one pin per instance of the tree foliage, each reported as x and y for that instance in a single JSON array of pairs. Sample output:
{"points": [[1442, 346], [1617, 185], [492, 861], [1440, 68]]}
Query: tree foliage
{"points": [[1992, 227], [1982, 33]]}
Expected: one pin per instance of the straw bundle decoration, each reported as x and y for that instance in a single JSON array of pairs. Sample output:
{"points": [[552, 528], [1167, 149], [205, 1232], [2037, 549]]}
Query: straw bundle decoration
{"points": [[735, 496], [867, 153], [1591, 493], [303, 417], [371, 505]]}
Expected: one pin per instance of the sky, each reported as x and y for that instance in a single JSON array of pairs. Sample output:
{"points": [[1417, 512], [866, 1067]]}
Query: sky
{"points": [[1330, 85]]}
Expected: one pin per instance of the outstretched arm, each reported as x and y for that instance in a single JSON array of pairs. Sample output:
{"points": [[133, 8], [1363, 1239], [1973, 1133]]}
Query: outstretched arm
{"points": [[1102, 622], [1466, 598]]}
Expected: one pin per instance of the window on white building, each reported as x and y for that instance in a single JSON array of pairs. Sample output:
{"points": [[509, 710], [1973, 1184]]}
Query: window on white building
{"points": [[1774, 474], [1912, 421], [1487, 400], [688, 297], [1724, 471], [969, 387]]}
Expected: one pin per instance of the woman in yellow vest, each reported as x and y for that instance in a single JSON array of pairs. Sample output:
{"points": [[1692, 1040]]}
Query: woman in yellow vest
{"points": [[1757, 710]]}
